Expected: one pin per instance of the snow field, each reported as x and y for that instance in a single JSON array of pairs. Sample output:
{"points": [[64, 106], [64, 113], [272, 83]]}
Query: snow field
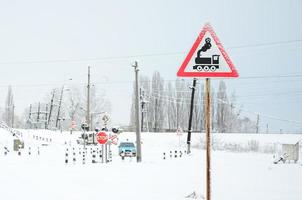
{"points": [[246, 175]]}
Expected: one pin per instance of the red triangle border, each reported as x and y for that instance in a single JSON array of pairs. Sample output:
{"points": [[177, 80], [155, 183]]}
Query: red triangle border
{"points": [[181, 72]]}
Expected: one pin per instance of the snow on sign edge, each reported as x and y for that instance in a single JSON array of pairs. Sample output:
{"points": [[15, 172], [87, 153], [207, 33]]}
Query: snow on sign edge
{"points": [[207, 28]]}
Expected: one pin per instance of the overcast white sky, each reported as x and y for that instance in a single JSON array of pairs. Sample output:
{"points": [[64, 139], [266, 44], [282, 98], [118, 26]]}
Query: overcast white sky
{"points": [[80, 31]]}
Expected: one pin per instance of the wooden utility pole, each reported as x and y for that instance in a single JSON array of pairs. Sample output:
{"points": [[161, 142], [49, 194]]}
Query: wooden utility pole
{"points": [[88, 99], [142, 98], [137, 112], [29, 116], [50, 109], [13, 115], [257, 125], [38, 115], [190, 118], [46, 115], [59, 109], [208, 138]]}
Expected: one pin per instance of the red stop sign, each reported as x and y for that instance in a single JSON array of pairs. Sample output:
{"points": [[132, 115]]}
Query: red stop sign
{"points": [[102, 137]]}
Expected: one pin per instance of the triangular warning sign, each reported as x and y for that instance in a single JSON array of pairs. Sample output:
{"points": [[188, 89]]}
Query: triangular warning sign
{"points": [[207, 58]]}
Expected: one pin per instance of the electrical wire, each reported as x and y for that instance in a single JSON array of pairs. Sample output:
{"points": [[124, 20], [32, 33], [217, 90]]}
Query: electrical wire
{"points": [[108, 58], [266, 44], [149, 81], [261, 114]]}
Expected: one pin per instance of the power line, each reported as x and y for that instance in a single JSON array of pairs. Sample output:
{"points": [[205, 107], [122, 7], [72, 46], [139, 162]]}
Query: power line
{"points": [[108, 58], [130, 81], [272, 94], [266, 44], [197, 103], [272, 76], [261, 114]]}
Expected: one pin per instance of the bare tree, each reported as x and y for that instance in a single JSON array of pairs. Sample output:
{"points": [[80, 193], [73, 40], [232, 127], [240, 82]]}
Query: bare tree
{"points": [[170, 107], [222, 108], [144, 83], [180, 88], [8, 115], [73, 106], [156, 106], [99, 105]]}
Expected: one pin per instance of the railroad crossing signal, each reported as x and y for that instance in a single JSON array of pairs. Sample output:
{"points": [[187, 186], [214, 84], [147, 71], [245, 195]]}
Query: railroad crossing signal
{"points": [[113, 139], [207, 58]]}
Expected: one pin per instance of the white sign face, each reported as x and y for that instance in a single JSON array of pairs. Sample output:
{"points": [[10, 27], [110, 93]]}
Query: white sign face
{"points": [[105, 118], [207, 58]]}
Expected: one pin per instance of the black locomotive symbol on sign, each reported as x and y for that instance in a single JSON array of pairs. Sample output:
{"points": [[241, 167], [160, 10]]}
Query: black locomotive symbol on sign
{"points": [[206, 63]]}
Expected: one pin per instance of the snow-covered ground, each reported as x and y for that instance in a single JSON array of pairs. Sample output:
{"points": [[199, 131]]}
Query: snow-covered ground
{"points": [[246, 175]]}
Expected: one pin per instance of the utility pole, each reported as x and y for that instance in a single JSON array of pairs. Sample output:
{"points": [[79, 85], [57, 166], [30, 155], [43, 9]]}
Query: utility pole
{"points": [[29, 117], [51, 107], [88, 99], [13, 115], [137, 107], [191, 116], [91, 121], [257, 125], [59, 109], [142, 97], [156, 116], [46, 115], [38, 116], [208, 138]]}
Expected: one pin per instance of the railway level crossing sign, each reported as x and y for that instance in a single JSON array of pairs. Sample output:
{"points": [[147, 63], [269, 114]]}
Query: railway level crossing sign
{"points": [[207, 58], [113, 139]]}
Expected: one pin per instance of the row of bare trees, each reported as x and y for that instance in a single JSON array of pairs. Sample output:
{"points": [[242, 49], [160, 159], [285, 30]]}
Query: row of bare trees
{"points": [[60, 109], [166, 107]]}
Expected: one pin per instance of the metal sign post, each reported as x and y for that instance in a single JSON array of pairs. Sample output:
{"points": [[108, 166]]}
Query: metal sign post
{"points": [[103, 153], [102, 139]]}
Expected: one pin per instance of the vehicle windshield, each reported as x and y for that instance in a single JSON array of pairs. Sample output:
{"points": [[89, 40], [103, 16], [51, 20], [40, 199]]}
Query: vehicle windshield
{"points": [[126, 144]]}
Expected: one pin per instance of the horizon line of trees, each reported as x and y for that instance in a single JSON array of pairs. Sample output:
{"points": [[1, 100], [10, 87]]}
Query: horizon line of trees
{"points": [[165, 107]]}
